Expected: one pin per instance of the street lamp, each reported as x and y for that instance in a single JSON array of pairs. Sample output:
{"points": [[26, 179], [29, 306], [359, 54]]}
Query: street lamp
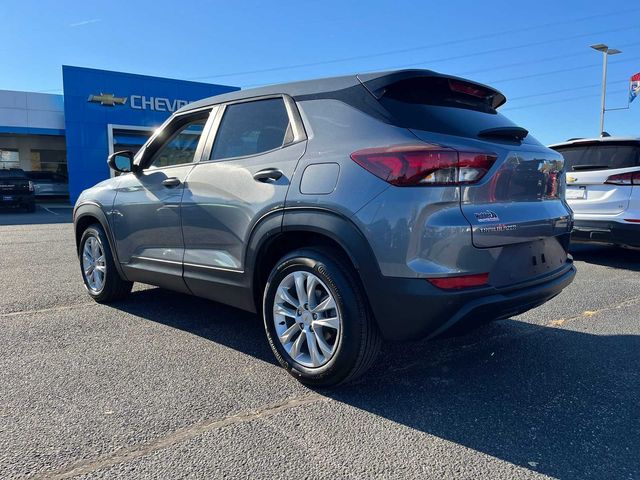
{"points": [[606, 51]]}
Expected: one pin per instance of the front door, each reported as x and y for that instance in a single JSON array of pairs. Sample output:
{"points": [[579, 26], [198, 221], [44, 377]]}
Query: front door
{"points": [[146, 213]]}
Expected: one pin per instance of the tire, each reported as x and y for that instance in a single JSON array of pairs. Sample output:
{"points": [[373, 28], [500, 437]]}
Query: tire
{"points": [[356, 341], [112, 287]]}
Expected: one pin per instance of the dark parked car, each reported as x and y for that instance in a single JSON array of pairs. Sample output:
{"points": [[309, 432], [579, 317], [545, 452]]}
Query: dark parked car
{"points": [[16, 190], [345, 210], [49, 184]]}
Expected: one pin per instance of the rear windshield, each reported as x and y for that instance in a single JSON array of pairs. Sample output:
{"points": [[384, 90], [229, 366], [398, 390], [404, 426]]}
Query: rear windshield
{"points": [[431, 104], [600, 156]]}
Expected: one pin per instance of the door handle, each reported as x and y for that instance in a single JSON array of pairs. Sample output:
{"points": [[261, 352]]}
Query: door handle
{"points": [[268, 175], [171, 182]]}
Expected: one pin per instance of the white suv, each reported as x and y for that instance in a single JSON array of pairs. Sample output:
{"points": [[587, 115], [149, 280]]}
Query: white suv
{"points": [[603, 189]]}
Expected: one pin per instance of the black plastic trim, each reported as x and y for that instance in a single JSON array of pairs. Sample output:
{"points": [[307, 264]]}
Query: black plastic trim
{"points": [[612, 233], [94, 210]]}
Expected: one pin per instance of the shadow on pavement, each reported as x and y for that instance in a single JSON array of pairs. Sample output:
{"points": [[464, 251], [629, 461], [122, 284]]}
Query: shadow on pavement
{"points": [[559, 402], [606, 256], [219, 323]]}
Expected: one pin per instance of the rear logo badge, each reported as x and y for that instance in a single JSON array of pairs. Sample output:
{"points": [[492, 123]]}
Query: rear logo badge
{"points": [[487, 216], [571, 179], [498, 228]]}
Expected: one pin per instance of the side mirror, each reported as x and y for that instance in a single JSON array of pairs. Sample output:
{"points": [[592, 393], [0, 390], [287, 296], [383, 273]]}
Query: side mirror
{"points": [[122, 162]]}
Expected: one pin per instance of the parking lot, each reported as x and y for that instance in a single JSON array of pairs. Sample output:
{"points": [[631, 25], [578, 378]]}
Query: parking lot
{"points": [[164, 385]]}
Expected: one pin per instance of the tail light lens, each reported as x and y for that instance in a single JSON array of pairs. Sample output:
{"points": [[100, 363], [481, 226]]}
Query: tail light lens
{"points": [[460, 282], [629, 178], [31, 188], [424, 165]]}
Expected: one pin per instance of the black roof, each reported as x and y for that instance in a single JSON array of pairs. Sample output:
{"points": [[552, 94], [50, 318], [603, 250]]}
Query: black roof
{"points": [[309, 88]]}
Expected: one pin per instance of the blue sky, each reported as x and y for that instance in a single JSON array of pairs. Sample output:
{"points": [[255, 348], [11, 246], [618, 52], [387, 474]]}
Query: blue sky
{"points": [[535, 52]]}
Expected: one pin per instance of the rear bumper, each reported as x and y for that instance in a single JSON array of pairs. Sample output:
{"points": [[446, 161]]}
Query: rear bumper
{"points": [[616, 233], [409, 309]]}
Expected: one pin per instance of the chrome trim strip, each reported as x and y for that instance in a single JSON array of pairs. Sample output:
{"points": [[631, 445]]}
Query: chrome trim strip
{"points": [[186, 264], [211, 267], [136, 257]]}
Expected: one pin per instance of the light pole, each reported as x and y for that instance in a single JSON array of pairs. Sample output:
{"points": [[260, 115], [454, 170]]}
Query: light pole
{"points": [[606, 51]]}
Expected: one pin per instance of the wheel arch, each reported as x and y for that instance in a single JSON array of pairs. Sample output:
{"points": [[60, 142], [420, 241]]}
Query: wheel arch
{"points": [[87, 214], [308, 227]]}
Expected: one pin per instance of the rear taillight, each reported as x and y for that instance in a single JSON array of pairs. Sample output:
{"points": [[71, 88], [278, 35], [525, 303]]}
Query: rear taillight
{"points": [[629, 178], [31, 186], [424, 165], [463, 281]]}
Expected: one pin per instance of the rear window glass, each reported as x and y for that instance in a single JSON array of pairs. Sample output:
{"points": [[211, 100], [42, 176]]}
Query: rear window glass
{"points": [[600, 157], [429, 104]]}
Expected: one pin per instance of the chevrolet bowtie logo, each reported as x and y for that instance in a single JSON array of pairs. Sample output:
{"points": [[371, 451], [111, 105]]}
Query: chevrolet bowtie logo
{"points": [[571, 179], [107, 99]]}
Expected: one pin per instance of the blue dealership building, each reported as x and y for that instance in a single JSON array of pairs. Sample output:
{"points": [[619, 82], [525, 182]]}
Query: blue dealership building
{"points": [[99, 112]]}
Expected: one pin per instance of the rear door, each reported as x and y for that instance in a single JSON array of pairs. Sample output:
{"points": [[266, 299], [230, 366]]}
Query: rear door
{"points": [[243, 178], [589, 165]]}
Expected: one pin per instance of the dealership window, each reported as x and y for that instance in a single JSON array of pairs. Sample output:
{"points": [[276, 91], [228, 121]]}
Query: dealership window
{"points": [[9, 158], [129, 139], [251, 128], [49, 161]]}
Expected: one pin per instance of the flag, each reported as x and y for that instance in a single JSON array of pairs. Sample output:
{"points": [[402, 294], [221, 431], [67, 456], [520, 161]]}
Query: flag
{"points": [[634, 87]]}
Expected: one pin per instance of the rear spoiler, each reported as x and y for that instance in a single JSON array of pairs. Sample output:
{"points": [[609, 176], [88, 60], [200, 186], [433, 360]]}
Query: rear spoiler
{"points": [[377, 83]]}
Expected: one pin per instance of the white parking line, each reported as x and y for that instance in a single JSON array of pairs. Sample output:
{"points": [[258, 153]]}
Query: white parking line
{"points": [[50, 309], [50, 211], [127, 454]]}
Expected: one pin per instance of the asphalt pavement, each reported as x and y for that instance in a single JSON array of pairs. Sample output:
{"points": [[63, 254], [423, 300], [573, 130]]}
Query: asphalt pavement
{"points": [[165, 385]]}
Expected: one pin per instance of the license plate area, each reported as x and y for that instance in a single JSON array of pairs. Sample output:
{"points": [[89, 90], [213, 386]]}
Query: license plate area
{"points": [[7, 198], [576, 193], [520, 262]]}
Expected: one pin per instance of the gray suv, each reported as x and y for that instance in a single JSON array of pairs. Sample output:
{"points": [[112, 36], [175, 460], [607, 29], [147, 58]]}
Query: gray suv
{"points": [[396, 206]]}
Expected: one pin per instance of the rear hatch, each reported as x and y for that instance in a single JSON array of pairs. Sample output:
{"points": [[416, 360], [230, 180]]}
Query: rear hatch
{"points": [[519, 198], [592, 168], [13, 182]]}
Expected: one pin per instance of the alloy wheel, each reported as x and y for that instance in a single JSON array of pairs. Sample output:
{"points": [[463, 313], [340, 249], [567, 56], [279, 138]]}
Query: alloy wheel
{"points": [[306, 318], [94, 267]]}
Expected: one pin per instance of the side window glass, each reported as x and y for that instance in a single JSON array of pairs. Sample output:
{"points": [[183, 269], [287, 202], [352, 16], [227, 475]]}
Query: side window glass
{"points": [[251, 128], [181, 146]]}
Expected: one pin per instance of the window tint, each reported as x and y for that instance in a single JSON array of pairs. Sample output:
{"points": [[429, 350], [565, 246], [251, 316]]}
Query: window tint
{"points": [[601, 156], [181, 147], [434, 105], [251, 128]]}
